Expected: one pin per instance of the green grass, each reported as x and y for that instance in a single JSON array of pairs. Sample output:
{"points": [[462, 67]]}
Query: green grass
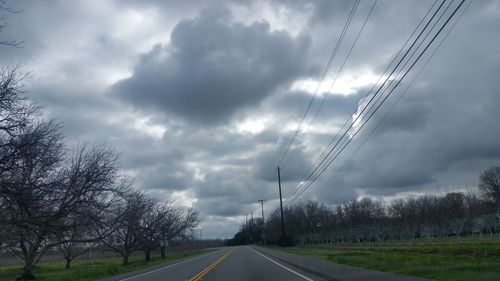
{"points": [[439, 260], [81, 270]]}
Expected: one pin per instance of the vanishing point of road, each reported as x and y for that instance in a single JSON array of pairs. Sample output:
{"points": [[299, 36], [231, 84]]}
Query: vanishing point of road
{"points": [[249, 263]]}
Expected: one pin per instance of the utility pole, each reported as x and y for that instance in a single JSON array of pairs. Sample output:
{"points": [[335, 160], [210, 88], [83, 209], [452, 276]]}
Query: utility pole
{"points": [[262, 208], [246, 220], [251, 221], [263, 233], [281, 208]]}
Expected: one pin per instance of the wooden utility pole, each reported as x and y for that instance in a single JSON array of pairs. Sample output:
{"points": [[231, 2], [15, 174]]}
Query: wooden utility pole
{"points": [[262, 233], [251, 222], [262, 208], [281, 208]]}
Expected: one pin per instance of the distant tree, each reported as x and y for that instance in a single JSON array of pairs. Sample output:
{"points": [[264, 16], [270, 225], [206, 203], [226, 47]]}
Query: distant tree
{"points": [[130, 214], [489, 184], [428, 216], [273, 225], [176, 223], [154, 224], [454, 209]]}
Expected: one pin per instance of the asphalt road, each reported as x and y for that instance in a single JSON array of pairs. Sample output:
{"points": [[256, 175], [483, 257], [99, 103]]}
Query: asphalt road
{"points": [[247, 263]]}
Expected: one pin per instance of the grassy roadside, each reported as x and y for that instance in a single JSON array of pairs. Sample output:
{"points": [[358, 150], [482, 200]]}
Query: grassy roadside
{"points": [[478, 261], [81, 270]]}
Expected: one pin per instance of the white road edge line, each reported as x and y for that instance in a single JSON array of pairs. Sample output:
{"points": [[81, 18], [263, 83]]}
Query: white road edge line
{"points": [[161, 268], [305, 277]]}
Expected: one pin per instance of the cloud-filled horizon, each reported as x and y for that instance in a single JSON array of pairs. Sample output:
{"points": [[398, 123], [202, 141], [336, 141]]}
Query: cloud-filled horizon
{"points": [[202, 99]]}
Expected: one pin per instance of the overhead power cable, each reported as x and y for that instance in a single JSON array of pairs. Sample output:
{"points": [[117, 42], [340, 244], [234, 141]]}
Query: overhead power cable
{"points": [[347, 141], [370, 116], [399, 97], [337, 75], [323, 75], [322, 168], [311, 171]]}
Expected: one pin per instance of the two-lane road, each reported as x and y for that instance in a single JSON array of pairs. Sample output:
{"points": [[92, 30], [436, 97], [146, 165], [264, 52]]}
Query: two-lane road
{"points": [[247, 263]]}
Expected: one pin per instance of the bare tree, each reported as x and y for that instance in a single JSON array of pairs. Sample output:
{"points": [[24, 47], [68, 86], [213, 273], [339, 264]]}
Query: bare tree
{"points": [[42, 190], [72, 247], [489, 184], [131, 215], [5, 8], [456, 214], [92, 174], [16, 110], [151, 227], [176, 223], [26, 187]]}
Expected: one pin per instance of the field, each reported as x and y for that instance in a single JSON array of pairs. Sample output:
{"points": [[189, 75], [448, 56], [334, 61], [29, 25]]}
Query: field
{"points": [[82, 270], [472, 258]]}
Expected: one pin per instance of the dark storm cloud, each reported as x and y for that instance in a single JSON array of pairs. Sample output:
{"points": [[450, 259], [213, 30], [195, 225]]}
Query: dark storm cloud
{"points": [[227, 182], [321, 10], [409, 115], [230, 192], [213, 67], [157, 167], [166, 176], [265, 166], [220, 206]]}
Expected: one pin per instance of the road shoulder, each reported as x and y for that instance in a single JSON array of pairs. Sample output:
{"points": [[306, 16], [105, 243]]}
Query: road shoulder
{"points": [[333, 271]]}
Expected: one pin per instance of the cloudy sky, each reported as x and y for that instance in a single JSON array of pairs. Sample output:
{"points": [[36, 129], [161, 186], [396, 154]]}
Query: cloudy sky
{"points": [[202, 97]]}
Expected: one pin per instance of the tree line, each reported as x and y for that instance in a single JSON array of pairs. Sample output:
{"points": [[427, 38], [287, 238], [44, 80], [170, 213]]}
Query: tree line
{"points": [[370, 220], [54, 197]]}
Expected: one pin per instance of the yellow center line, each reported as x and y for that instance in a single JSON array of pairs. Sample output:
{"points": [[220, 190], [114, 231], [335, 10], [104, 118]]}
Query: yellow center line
{"points": [[210, 267]]}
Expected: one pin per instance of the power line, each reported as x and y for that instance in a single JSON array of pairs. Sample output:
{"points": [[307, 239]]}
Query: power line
{"points": [[378, 106], [312, 170], [385, 98], [343, 64], [323, 75], [337, 75], [401, 96]]}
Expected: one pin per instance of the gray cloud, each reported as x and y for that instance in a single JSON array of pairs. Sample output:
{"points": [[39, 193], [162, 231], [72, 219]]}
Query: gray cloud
{"points": [[213, 67], [267, 161]]}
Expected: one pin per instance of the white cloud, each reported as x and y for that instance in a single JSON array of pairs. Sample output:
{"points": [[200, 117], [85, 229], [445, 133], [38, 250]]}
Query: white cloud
{"points": [[346, 85]]}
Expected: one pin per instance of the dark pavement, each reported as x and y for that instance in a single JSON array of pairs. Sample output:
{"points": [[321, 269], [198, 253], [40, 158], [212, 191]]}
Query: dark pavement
{"points": [[177, 270], [247, 263]]}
